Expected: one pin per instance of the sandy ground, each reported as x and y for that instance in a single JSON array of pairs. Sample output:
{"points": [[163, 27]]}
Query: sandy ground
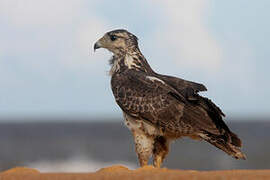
{"points": [[121, 172]]}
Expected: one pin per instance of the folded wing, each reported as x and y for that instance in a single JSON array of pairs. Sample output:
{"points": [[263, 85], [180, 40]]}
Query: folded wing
{"points": [[155, 101]]}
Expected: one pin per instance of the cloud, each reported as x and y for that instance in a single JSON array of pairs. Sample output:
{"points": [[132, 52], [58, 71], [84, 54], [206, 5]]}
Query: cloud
{"points": [[185, 36], [65, 31], [45, 36], [46, 57], [82, 53], [35, 12]]}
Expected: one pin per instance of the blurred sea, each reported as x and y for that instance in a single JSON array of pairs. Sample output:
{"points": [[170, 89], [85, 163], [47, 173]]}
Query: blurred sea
{"points": [[81, 146]]}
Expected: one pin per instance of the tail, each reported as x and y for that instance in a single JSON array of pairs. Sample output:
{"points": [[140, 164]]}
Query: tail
{"points": [[229, 143], [226, 140]]}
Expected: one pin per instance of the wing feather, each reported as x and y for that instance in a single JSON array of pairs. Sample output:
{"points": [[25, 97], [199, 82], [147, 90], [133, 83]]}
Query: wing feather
{"points": [[159, 104], [181, 84]]}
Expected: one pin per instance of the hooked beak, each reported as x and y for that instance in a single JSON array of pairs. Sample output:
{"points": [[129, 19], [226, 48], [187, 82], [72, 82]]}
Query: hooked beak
{"points": [[96, 46]]}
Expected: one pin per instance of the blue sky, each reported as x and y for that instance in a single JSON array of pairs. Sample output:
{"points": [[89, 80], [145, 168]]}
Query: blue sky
{"points": [[48, 68]]}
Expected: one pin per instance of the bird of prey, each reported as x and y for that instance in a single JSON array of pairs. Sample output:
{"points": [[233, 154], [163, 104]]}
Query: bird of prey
{"points": [[160, 108]]}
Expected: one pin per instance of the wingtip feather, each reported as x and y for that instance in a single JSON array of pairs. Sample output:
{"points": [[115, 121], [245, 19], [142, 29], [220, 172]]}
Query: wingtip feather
{"points": [[240, 155]]}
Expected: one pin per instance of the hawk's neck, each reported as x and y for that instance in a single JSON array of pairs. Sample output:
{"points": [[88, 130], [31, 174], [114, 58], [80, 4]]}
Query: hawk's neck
{"points": [[129, 61]]}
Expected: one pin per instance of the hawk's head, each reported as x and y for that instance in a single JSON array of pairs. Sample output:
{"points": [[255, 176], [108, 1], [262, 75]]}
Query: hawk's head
{"points": [[117, 41]]}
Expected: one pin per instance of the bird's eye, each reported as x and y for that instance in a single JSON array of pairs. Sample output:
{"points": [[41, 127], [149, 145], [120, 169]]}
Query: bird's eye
{"points": [[113, 37]]}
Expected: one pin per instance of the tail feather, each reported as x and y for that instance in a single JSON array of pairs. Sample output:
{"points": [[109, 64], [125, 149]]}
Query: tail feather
{"points": [[228, 143], [225, 139], [235, 140]]}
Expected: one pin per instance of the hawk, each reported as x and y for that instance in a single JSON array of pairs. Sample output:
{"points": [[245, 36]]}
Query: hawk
{"points": [[159, 108]]}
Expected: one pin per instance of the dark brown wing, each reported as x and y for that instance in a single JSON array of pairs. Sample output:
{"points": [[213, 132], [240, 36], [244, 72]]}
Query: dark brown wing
{"points": [[190, 90], [181, 84], [156, 102]]}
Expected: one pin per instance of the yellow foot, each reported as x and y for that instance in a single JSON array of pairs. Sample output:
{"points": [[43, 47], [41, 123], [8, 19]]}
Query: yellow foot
{"points": [[157, 161], [143, 163]]}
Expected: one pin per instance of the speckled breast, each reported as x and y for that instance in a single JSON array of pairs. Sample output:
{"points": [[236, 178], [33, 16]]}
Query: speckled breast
{"points": [[140, 126]]}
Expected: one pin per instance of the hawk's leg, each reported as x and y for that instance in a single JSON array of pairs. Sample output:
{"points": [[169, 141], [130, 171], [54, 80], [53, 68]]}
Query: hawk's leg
{"points": [[144, 147], [161, 149]]}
